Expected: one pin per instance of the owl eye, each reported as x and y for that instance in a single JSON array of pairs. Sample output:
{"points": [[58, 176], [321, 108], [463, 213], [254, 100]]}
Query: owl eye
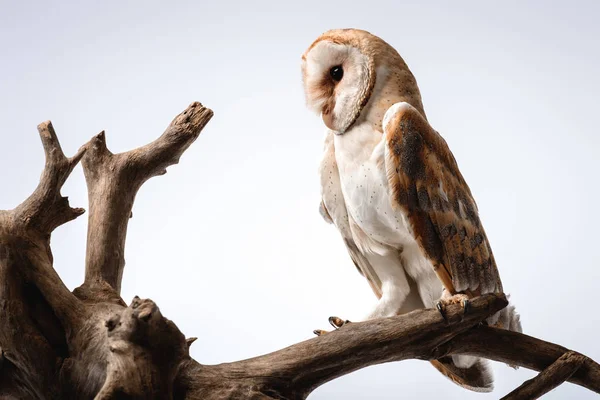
{"points": [[336, 73]]}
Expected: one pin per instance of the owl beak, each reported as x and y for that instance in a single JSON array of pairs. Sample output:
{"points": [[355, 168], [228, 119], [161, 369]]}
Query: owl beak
{"points": [[328, 117]]}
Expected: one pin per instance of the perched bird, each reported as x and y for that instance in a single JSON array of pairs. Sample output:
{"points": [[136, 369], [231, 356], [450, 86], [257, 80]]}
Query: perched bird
{"points": [[393, 189]]}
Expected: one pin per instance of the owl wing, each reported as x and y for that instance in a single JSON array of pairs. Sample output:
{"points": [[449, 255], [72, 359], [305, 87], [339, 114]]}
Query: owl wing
{"points": [[426, 184], [333, 209]]}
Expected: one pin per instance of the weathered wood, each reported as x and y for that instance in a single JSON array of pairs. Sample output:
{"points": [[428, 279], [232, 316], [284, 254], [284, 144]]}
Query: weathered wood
{"points": [[87, 344], [558, 372], [38, 311], [294, 372], [145, 353], [519, 349], [54, 343], [113, 180], [46, 209]]}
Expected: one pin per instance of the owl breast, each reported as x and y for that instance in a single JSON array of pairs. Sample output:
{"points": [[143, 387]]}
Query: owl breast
{"points": [[360, 158]]}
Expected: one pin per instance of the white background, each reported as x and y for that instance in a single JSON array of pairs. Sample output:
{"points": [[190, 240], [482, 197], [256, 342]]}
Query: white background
{"points": [[230, 243]]}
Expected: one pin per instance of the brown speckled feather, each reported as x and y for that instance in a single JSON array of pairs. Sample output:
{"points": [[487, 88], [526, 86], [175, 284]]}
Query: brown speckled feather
{"points": [[428, 186]]}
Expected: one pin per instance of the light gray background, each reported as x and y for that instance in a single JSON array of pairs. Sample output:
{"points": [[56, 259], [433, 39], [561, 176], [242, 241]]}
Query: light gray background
{"points": [[229, 243]]}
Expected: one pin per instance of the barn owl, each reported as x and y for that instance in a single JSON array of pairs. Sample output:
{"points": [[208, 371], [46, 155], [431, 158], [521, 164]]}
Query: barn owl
{"points": [[391, 186]]}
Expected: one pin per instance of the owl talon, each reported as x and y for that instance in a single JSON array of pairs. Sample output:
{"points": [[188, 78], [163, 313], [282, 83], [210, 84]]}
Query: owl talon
{"points": [[466, 304], [319, 332], [337, 322], [440, 307]]}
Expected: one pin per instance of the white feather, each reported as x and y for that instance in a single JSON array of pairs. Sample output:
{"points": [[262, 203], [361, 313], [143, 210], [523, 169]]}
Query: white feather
{"points": [[319, 61]]}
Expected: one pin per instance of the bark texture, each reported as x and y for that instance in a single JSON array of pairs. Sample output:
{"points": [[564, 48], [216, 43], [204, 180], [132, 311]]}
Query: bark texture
{"points": [[559, 371], [88, 344]]}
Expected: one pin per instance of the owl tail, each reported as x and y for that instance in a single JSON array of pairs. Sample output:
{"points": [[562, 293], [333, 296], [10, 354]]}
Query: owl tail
{"points": [[477, 377], [507, 318], [475, 373]]}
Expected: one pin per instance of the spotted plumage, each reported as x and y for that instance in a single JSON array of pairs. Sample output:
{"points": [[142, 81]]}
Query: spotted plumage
{"points": [[393, 189], [427, 184]]}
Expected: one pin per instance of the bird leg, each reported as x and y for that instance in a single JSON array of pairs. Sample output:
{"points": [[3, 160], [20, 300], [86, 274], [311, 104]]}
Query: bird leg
{"points": [[448, 299]]}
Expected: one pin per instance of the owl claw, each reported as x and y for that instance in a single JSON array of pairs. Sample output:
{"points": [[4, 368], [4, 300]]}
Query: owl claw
{"points": [[440, 307], [466, 304], [337, 322], [460, 298], [319, 332]]}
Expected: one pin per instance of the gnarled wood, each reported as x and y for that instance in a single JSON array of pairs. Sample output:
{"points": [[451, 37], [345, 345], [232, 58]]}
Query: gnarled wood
{"points": [[113, 181], [294, 372], [55, 344], [145, 353], [46, 209], [38, 311]]}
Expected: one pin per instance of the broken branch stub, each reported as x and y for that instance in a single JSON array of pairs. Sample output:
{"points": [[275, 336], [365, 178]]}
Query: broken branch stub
{"points": [[146, 350]]}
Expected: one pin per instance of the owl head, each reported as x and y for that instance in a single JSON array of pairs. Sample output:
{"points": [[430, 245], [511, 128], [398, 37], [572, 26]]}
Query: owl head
{"points": [[351, 76]]}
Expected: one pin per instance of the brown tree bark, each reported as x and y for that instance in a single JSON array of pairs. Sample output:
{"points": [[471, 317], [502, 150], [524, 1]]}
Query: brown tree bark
{"points": [[87, 344], [559, 371]]}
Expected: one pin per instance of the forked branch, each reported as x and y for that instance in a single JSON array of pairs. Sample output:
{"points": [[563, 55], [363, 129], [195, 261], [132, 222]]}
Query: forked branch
{"points": [[113, 181], [46, 209], [519, 349], [57, 344], [38, 311], [558, 372]]}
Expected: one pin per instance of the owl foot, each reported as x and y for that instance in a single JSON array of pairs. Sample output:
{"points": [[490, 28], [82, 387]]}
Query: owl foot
{"points": [[440, 308], [337, 322], [463, 299]]}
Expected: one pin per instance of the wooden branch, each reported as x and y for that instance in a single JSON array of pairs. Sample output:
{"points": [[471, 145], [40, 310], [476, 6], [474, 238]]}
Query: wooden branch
{"points": [[46, 331], [46, 209], [294, 372], [113, 181], [519, 349], [27, 231], [37, 308], [87, 344], [558, 372]]}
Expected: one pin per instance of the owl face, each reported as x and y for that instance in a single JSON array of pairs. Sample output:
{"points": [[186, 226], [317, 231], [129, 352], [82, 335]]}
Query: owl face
{"points": [[340, 70], [337, 79]]}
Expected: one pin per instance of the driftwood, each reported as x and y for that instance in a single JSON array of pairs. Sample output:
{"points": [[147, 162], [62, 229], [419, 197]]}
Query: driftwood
{"points": [[87, 344]]}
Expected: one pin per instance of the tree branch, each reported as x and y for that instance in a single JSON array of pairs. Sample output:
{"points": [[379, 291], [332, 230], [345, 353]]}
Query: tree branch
{"points": [[37, 308], [26, 232], [558, 372], [46, 209], [519, 349], [56, 344], [294, 372], [113, 181]]}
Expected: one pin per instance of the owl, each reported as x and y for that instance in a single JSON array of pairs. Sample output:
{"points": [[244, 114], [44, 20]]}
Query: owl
{"points": [[392, 188]]}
